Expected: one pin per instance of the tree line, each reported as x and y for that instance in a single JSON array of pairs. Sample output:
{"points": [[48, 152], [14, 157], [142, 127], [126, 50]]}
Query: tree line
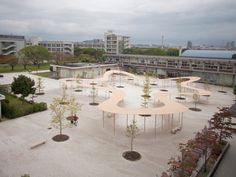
{"points": [[37, 55]]}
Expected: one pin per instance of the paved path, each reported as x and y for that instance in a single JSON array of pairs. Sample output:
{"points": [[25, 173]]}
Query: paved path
{"points": [[227, 165]]}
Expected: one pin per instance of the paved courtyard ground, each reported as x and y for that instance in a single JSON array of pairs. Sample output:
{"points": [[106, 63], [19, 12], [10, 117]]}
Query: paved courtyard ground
{"points": [[94, 151]]}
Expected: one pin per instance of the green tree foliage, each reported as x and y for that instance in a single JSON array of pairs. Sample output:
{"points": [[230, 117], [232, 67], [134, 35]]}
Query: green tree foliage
{"points": [[131, 132], [9, 59], [58, 111], [23, 85], [25, 175], [89, 54], [221, 123], [73, 107], [172, 52], [36, 54], [146, 91], [152, 51], [234, 56], [39, 85]]}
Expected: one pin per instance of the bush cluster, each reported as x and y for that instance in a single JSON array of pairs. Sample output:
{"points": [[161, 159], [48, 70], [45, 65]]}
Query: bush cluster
{"points": [[13, 107]]}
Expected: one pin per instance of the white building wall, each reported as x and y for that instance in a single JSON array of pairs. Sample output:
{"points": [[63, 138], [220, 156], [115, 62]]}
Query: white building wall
{"points": [[115, 44], [10, 44]]}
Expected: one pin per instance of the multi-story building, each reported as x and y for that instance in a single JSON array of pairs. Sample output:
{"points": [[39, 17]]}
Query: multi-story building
{"points": [[115, 44], [189, 45], [32, 41], [95, 44], [58, 47], [214, 70], [11, 44]]}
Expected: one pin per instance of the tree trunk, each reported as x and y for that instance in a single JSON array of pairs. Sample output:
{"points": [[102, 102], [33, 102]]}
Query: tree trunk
{"points": [[60, 127], [131, 144], [12, 67], [205, 161], [25, 67]]}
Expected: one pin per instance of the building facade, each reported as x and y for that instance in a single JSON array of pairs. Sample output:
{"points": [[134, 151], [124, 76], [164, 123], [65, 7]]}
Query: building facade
{"points": [[115, 44], [58, 47], [95, 44], [212, 70], [82, 70], [11, 44]]}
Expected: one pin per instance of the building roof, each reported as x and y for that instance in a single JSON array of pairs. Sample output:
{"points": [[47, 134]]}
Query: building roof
{"points": [[11, 37], [227, 54]]}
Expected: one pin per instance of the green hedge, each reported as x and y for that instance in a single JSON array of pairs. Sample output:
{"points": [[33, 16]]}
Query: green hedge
{"points": [[13, 107]]}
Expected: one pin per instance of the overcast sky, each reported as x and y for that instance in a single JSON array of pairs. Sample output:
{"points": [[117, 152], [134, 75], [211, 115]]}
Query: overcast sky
{"points": [[206, 21]]}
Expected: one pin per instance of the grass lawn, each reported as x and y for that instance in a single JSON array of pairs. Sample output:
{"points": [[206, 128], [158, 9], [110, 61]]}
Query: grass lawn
{"points": [[44, 74], [6, 68]]}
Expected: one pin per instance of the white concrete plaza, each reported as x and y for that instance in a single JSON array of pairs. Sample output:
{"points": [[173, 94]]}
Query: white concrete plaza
{"points": [[94, 151]]}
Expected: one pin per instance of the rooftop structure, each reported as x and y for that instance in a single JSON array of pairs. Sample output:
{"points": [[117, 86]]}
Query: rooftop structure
{"points": [[209, 53]]}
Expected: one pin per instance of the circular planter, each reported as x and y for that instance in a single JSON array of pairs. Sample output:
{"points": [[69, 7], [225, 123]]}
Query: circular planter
{"points": [[60, 138], [180, 98], [40, 93], [131, 155], [221, 91], [93, 104], [164, 90], [206, 95], [78, 90], [195, 109], [145, 115], [145, 96]]}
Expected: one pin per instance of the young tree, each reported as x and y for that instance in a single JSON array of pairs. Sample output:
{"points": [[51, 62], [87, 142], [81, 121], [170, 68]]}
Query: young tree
{"points": [[73, 107], [39, 87], [196, 98], [23, 85], [179, 87], [146, 91], [78, 81], [24, 60], [206, 84], [94, 94], [221, 122], [205, 140], [59, 121], [131, 132], [223, 83]]}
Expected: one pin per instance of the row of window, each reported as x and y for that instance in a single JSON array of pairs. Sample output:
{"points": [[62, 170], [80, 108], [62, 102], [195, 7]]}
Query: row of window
{"points": [[196, 65]]}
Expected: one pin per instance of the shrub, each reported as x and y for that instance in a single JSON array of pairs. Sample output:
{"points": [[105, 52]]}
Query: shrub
{"points": [[23, 85], [15, 107]]}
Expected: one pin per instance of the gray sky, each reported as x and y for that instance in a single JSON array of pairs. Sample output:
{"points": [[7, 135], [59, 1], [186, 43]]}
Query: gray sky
{"points": [[206, 21]]}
